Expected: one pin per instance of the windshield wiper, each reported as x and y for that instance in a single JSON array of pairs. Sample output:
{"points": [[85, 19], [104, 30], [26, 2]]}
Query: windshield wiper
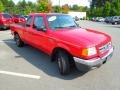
{"points": [[58, 27], [65, 27], [72, 26]]}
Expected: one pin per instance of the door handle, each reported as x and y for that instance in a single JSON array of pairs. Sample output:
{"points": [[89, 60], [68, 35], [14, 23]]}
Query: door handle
{"points": [[51, 39], [32, 33]]}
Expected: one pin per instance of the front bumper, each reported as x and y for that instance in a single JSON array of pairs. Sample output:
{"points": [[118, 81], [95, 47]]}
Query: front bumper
{"points": [[85, 65]]}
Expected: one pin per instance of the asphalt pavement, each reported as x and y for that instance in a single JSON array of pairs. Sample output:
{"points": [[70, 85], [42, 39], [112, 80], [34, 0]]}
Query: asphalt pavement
{"points": [[27, 68]]}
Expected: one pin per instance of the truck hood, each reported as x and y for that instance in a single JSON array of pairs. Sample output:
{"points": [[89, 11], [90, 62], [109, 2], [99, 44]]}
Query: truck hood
{"points": [[82, 37]]}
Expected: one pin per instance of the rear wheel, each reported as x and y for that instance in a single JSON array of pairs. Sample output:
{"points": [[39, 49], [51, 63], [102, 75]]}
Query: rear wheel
{"points": [[4, 28], [63, 62], [18, 41]]}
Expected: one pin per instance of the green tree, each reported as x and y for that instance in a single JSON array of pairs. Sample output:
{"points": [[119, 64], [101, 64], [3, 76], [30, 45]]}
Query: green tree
{"points": [[115, 10], [75, 7], [5, 2], [28, 10], [99, 12], [107, 9], [65, 8], [1, 7], [57, 9], [99, 3], [10, 6], [21, 5], [84, 9], [78, 8], [42, 5], [49, 7], [32, 6]]}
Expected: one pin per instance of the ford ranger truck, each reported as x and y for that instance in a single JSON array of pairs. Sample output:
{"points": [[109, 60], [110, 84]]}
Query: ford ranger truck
{"points": [[61, 38]]}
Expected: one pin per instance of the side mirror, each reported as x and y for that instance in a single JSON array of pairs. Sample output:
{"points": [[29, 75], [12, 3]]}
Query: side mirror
{"points": [[77, 24], [27, 25]]}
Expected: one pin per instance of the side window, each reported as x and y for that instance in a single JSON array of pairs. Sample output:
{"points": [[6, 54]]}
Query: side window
{"points": [[115, 18], [29, 20], [39, 22]]}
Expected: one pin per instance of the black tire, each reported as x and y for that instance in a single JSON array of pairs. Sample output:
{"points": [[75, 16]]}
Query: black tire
{"points": [[63, 62], [115, 23], [18, 41], [5, 28]]}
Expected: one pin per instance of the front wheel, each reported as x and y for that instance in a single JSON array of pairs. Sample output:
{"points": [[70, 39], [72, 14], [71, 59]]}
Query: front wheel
{"points": [[18, 41], [115, 23], [63, 62]]}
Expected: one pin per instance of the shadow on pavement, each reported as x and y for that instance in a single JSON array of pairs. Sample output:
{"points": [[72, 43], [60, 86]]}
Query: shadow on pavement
{"points": [[41, 61], [4, 29]]}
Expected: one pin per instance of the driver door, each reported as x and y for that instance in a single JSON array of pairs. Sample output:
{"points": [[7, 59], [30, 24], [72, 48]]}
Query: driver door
{"points": [[39, 33]]}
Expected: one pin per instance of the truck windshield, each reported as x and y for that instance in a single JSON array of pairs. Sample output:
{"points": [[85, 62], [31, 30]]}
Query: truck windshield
{"points": [[61, 21]]}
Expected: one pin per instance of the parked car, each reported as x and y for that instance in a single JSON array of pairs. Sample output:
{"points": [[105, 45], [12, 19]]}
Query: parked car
{"points": [[93, 19], [19, 18], [101, 19], [115, 20], [5, 20], [108, 19], [60, 37], [98, 19], [119, 22], [25, 16]]}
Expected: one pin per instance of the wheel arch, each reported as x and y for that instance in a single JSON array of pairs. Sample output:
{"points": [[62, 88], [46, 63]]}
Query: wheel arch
{"points": [[15, 32], [56, 49]]}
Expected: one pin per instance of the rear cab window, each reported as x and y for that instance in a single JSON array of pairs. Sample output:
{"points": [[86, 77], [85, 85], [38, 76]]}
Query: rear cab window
{"points": [[115, 17], [17, 16], [7, 16], [29, 20]]}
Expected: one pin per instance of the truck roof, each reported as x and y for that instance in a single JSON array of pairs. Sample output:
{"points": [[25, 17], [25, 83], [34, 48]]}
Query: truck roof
{"points": [[47, 14]]}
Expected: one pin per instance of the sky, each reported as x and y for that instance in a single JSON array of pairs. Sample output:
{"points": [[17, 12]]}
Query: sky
{"points": [[62, 2]]}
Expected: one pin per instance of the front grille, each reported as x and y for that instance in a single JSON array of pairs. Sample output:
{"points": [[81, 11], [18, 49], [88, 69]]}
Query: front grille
{"points": [[105, 47]]}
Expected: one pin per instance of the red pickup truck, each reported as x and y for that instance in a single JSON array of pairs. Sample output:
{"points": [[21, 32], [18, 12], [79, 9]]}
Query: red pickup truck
{"points": [[61, 38], [5, 20]]}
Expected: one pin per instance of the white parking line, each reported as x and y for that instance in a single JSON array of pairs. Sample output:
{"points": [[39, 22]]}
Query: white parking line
{"points": [[1, 41], [20, 74]]}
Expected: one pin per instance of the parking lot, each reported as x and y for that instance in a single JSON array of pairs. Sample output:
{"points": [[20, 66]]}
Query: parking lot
{"points": [[30, 69]]}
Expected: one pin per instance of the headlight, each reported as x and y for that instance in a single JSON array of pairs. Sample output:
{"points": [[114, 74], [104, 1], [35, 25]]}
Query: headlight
{"points": [[110, 44], [89, 51]]}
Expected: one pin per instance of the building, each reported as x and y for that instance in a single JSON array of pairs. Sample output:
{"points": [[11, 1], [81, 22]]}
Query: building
{"points": [[78, 14]]}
